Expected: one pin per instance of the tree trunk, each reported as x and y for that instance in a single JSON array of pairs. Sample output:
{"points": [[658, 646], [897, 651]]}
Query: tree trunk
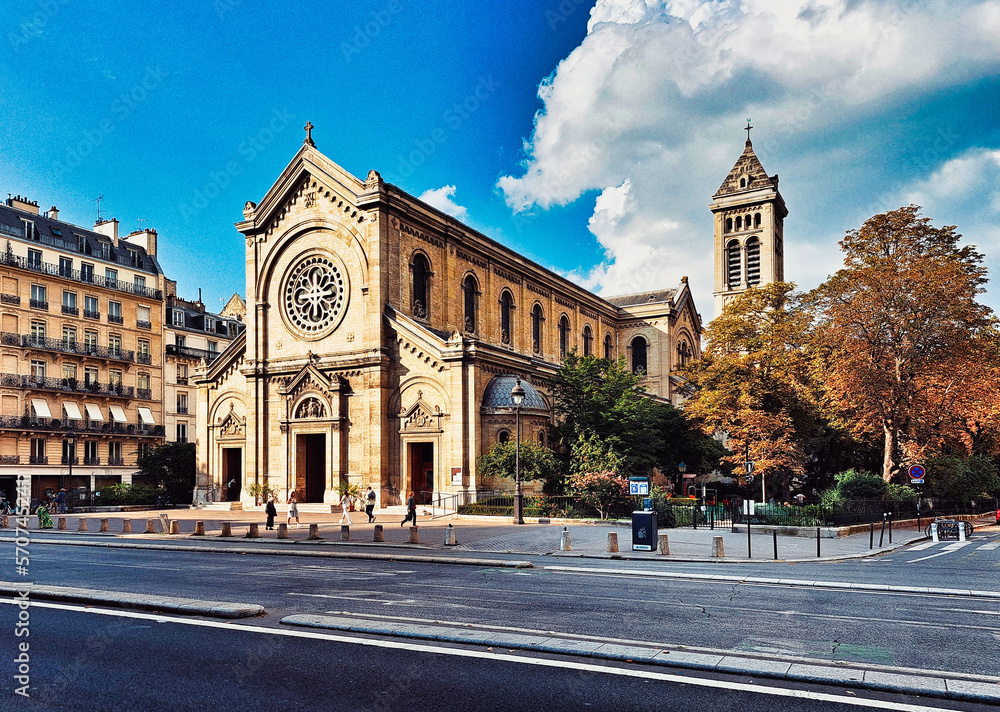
{"points": [[889, 462]]}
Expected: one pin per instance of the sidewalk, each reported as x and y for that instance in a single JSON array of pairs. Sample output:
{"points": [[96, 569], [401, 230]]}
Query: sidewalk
{"points": [[497, 536]]}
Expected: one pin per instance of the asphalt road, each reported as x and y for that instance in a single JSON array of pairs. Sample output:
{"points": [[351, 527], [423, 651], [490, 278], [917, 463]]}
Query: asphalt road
{"points": [[139, 663]]}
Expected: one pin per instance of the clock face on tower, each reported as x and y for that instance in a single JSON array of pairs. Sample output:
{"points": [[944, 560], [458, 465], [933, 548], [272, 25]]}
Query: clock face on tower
{"points": [[314, 295]]}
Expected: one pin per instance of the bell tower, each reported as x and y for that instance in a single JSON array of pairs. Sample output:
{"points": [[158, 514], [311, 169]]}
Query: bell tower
{"points": [[749, 217]]}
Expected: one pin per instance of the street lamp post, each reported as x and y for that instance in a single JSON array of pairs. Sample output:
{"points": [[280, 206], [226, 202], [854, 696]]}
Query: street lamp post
{"points": [[517, 396], [70, 451], [682, 468]]}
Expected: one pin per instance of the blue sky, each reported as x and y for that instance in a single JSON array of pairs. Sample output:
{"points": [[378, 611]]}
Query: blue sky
{"points": [[588, 135]]}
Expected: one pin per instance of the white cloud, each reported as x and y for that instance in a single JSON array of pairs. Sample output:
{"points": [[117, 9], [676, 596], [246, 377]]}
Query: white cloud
{"points": [[441, 198], [647, 110]]}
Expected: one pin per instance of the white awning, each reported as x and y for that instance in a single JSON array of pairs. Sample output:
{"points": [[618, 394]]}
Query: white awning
{"points": [[146, 416], [41, 408], [118, 414], [94, 411], [72, 410]]}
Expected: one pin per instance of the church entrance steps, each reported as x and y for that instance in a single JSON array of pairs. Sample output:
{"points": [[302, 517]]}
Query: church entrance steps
{"points": [[221, 506]]}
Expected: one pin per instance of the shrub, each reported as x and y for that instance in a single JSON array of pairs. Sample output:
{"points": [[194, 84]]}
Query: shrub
{"points": [[118, 495], [601, 490]]}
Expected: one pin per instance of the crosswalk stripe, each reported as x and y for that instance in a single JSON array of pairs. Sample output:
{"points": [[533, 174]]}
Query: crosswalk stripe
{"points": [[921, 547], [988, 547]]}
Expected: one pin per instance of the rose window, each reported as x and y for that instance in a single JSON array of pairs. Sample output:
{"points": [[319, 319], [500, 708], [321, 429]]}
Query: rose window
{"points": [[315, 295]]}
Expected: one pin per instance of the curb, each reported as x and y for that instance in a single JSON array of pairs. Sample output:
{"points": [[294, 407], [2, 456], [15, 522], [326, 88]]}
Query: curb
{"points": [[186, 606], [955, 686], [410, 558]]}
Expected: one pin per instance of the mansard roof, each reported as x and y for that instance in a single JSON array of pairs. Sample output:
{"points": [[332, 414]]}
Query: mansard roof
{"points": [[659, 296], [747, 166]]}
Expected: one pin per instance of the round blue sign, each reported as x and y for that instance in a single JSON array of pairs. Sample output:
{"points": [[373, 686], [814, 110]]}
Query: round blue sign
{"points": [[916, 472]]}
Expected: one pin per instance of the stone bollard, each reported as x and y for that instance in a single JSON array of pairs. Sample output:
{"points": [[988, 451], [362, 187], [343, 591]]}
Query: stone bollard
{"points": [[379, 536], [663, 545], [449, 536], [565, 544], [105, 525], [345, 532], [253, 531], [199, 529], [82, 527], [934, 533], [282, 531], [151, 526], [175, 527], [612, 542], [126, 526], [62, 523], [718, 550], [227, 529], [414, 534], [313, 531]]}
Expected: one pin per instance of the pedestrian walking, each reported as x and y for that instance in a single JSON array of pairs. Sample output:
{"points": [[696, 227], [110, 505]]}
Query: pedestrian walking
{"points": [[345, 505], [61, 501], [411, 510], [370, 504], [271, 511], [293, 508]]}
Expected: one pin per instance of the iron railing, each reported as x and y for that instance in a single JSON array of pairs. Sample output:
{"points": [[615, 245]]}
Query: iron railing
{"points": [[70, 311], [12, 260], [66, 385], [26, 422], [187, 351], [67, 347]]}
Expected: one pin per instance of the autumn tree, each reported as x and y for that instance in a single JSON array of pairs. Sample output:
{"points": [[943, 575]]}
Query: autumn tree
{"points": [[753, 382], [899, 335]]}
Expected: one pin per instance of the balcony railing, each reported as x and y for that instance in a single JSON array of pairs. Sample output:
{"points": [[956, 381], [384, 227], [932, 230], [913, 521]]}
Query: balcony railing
{"points": [[182, 380], [87, 314], [10, 299], [143, 324], [144, 358], [12, 260], [67, 385], [182, 409], [70, 311], [39, 460], [66, 347], [39, 304], [116, 319], [188, 352], [65, 460], [144, 393], [25, 422], [91, 461], [10, 459], [116, 461]]}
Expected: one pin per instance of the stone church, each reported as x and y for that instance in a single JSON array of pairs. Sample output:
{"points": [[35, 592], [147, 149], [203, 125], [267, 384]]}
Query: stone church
{"points": [[383, 338]]}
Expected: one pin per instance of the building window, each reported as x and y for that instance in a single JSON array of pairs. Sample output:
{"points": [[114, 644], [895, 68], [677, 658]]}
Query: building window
{"points": [[111, 277], [115, 344], [65, 267], [69, 374], [90, 456], [115, 378], [209, 324], [733, 267], [90, 375], [86, 272], [684, 353], [506, 313], [69, 304], [421, 270], [34, 259], [182, 402], [178, 317], [90, 341], [67, 452], [142, 386], [608, 347], [729, 224], [182, 374], [39, 297], [756, 220], [471, 288], [536, 328], [563, 337], [69, 338], [140, 283], [37, 371], [115, 312], [180, 341], [106, 250], [639, 356], [38, 452], [145, 450], [37, 331], [142, 318], [753, 261], [503, 437], [182, 432], [142, 354], [91, 310], [213, 347], [588, 338], [115, 454]]}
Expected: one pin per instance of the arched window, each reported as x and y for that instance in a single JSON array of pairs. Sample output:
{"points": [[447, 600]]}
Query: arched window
{"points": [[563, 337], [536, 329], [733, 267], [739, 222], [684, 353], [756, 219], [729, 224], [608, 347], [506, 315], [743, 182], [753, 261], [541, 438], [470, 288], [588, 338], [639, 355], [421, 270], [503, 437]]}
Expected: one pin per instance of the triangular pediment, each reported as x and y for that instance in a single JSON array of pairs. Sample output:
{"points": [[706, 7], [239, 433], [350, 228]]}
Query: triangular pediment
{"points": [[420, 416], [310, 377], [748, 170]]}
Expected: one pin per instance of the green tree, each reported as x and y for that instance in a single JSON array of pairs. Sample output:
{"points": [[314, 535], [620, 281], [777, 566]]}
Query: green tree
{"points": [[537, 463], [172, 467], [962, 479]]}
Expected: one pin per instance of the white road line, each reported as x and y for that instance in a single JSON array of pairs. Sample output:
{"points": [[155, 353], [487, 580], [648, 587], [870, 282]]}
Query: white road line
{"points": [[932, 556], [988, 547], [921, 547], [645, 674], [957, 545]]}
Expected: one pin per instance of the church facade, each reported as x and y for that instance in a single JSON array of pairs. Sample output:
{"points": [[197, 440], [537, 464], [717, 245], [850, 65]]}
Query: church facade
{"points": [[383, 338]]}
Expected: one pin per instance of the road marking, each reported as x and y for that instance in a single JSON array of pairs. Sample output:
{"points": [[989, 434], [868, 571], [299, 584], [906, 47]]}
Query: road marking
{"points": [[988, 547], [957, 545], [921, 547], [924, 558], [643, 673]]}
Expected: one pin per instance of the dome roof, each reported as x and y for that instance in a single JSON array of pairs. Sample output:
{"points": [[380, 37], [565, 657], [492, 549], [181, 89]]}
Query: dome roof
{"points": [[497, 395]]}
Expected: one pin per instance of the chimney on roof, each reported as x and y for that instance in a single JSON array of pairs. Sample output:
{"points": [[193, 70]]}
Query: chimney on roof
{"points": [[145, 239], [28, 206], [108, 228], [53, 213]]}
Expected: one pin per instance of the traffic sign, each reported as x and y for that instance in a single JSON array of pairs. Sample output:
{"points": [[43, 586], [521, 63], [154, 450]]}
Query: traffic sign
{"points": [[916, 472], [916, 481], [748, 467]]}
